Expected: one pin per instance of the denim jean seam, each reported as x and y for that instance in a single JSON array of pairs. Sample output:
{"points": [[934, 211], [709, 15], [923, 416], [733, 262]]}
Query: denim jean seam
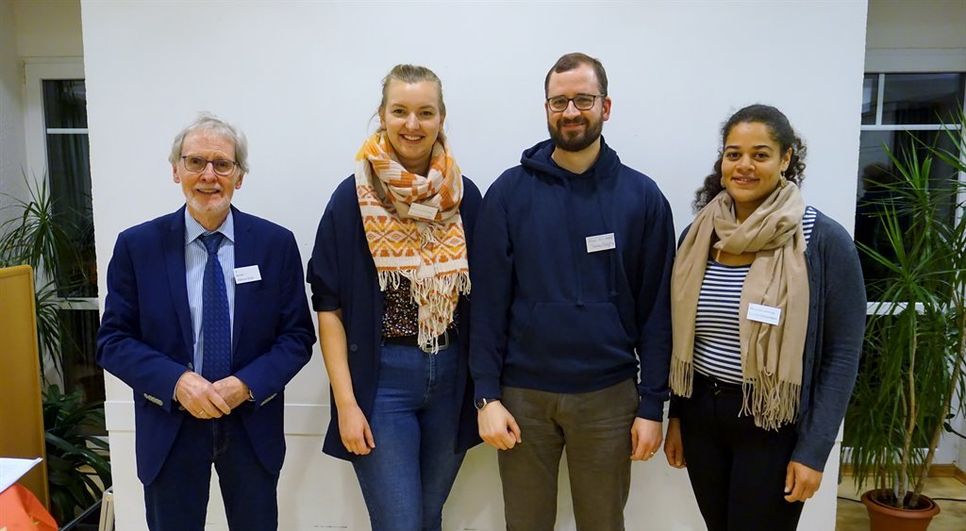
{"points": [[420, 386]]}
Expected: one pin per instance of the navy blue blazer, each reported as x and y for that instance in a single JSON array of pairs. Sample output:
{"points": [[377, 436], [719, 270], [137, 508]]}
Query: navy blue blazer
{"points": [[145, 338], [343, 276]]}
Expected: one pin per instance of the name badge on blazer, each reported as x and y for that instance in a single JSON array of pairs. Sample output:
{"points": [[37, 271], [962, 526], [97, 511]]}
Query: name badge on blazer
{"points": [[247, 274]]}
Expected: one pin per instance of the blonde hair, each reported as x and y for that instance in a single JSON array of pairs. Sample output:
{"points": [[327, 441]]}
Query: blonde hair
{"points": [[411, 74]]}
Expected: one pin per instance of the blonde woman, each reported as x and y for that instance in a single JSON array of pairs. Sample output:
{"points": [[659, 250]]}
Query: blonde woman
{"points": [[389, 276]]}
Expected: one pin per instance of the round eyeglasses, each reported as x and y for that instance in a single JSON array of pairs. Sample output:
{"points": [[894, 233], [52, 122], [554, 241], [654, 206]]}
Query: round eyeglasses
{"points": [[583, 102], [197, 164]]}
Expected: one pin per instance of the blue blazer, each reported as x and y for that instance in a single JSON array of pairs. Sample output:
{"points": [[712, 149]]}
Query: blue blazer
{"points": [[343, 276], [145, 338]]}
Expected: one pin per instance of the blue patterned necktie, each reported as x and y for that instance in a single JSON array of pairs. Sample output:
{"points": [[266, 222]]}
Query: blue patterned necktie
{"points": [[215, 323]]}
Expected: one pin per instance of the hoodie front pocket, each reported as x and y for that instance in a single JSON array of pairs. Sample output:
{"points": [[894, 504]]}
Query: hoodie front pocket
{"points": [[565, 328]]}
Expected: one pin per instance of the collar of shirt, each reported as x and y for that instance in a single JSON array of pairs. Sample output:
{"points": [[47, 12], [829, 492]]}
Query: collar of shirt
{"points": [[193, 229]]}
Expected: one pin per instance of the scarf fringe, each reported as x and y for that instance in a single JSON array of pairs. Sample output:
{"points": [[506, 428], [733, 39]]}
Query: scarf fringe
{"points": [[436, 296], [772, 403], [682, 377]]}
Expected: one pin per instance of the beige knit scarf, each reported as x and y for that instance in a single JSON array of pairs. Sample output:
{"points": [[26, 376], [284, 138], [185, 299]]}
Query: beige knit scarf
{"points": [[414, 229], [771, 355]]}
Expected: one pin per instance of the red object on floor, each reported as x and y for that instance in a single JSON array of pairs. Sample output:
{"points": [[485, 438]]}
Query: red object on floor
{"points": [[20, 510]]}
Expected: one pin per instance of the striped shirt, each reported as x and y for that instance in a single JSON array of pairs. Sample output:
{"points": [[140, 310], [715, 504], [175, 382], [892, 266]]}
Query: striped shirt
{"points": [[195, 258], [717, 346]]}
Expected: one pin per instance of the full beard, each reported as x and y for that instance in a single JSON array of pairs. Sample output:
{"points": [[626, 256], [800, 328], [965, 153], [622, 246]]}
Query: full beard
{"points": [[578, 141]]}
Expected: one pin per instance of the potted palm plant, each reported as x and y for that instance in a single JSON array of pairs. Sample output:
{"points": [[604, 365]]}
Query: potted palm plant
{"points": [[913, 365]]}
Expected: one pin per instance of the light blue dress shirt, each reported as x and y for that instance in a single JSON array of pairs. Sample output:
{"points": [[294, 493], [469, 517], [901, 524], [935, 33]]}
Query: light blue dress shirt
{"points": [[195, 258]]}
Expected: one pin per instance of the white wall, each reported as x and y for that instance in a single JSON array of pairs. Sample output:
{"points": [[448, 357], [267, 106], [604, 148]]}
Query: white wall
{"points": [[898, 24], [48, 28], [11, 111], [302, 79], [32, 32], [961, 456], [921, 36]]}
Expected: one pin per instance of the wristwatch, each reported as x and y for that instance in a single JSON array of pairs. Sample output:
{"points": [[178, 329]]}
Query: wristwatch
{"points": [[482, 402]]}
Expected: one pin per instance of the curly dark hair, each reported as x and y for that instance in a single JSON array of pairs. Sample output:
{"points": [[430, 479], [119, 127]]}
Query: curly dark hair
{"points": [[780, 131]]}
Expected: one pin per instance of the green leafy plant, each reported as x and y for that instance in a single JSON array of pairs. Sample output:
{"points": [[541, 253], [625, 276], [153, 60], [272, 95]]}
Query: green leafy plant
{"points": [[913, 363], [78, 466], [35, 235]]}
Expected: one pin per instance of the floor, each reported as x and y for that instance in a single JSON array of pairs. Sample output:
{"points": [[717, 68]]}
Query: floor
{"points": [[852, 515]]}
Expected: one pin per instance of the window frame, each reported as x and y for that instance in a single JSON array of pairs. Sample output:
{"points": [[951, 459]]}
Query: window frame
{"points": [[892, 307], [36, 131]]}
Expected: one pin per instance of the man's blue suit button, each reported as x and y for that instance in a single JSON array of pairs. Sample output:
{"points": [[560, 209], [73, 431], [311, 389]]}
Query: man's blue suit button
{"points": [[353, 347]]}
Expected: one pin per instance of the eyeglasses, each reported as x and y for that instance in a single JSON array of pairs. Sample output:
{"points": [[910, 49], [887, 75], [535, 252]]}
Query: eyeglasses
{"points": [[583, 102], [196, 164]]}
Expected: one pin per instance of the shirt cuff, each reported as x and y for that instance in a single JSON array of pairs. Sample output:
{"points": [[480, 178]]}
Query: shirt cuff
{"points": [[651, 408], [487, 388]]}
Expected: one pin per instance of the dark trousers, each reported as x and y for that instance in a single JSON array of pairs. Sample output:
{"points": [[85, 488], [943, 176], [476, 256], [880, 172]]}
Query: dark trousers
{"points": [[177, 500], [595, 428], [737, 469]]}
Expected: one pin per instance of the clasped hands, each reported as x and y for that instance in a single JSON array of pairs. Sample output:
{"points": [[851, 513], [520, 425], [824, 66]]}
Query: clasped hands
{"points": [[207, 400]]}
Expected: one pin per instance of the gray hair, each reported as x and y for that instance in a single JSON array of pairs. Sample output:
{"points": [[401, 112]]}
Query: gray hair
{"points": [[211, 123]]}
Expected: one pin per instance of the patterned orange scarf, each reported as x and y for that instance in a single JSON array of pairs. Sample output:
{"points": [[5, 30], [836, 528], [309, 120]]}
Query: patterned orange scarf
{"points": [[430, 253]]}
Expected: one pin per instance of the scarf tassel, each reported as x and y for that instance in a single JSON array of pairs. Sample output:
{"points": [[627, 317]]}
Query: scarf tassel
{"points": [[436, 296], [772, 403], [682, 377]]}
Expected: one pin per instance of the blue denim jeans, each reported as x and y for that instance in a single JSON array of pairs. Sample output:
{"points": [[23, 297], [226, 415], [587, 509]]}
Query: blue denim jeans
{"points": [[408, 475]]}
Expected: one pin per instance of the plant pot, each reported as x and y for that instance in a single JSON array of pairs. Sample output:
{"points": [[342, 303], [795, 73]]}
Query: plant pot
{"points": [[884, 517]]}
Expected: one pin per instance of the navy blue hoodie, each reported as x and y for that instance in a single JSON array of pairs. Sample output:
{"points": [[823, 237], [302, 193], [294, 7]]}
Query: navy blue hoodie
{"points": [[549, 315]]}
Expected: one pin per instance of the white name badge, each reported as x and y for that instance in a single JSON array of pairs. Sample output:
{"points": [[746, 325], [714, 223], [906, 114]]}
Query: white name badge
{"points": [[247, 274], [417, 210], [601, 242], [764, 314]]}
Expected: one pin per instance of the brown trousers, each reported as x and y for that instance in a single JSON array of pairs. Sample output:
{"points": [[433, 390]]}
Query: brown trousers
{"points": [[595, 428]]}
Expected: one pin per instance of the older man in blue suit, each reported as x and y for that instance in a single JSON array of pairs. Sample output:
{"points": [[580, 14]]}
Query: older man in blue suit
{"points": [[206, 319]]}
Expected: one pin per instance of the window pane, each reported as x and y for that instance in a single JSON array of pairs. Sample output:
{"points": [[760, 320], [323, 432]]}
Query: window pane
{"points": [[870, 98], [65, 103], [81, 372], [68, 160], [921, 98], [875, 166]]}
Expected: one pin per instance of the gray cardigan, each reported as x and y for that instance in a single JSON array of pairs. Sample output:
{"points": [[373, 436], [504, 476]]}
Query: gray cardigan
{"points": [[833, 343]]}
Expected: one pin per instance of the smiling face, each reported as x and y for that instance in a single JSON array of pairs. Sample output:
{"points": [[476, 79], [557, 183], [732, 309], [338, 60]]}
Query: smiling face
{"points": [[573, 129], [412, 120], [208, 195], [751, 166]]}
